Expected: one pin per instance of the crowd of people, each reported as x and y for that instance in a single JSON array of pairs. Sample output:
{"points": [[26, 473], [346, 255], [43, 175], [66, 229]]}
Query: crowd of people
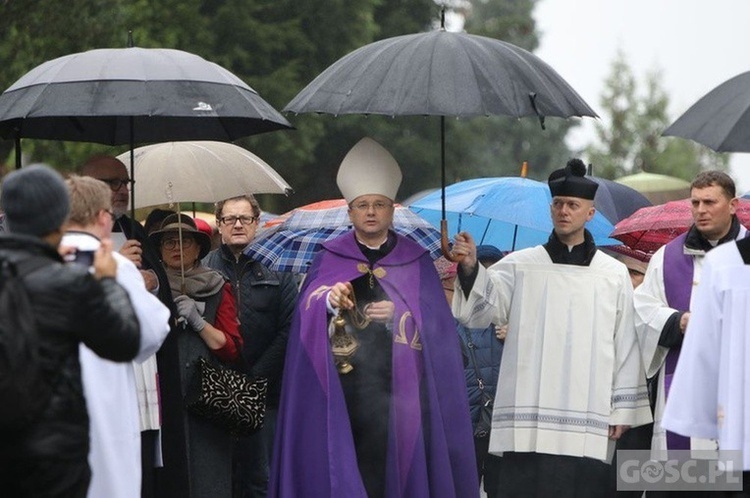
{"points": [[389, 374]]}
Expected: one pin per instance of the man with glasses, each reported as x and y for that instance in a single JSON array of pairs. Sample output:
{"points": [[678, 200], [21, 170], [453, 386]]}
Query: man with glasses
{"points": [[397, 424], [128, 236], [112, 399], [130, 240], [265, 304]]}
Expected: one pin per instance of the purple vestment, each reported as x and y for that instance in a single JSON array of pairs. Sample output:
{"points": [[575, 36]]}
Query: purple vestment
{"points": [[430, 448], [678, 287]]}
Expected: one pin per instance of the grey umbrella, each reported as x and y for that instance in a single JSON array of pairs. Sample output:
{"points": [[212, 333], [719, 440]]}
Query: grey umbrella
{"points": [[167, 94], [440, 73], [720, 119], [133, 95]]}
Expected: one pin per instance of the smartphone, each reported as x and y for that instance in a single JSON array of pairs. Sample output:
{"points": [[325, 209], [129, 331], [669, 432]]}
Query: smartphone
{"points": [[83, 258]]}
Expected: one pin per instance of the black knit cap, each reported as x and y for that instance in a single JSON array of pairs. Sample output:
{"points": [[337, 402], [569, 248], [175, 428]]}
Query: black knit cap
{"points": [[571, 181], [35, 200]]}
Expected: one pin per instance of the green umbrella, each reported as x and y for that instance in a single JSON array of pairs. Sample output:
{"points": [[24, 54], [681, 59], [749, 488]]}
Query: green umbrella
{"points": [[657, 188]]}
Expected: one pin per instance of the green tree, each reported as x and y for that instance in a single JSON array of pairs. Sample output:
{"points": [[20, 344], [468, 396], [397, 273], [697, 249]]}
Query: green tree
{"points": [[629, 136], [278, 47]]}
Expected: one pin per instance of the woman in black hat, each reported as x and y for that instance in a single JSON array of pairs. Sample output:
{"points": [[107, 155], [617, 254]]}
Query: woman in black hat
{"points": [[197, 454]]}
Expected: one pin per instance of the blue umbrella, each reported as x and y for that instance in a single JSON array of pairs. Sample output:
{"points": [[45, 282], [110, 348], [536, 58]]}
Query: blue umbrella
{"points": [[509, 213]]}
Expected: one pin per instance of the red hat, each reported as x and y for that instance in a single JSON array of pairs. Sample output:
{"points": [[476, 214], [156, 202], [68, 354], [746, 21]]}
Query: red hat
{"points": [[204, 227]]}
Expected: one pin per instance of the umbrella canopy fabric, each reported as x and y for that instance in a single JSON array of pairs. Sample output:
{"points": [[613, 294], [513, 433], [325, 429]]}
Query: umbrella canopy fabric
{"points": [[653, 182], [509, 213], [720, 119], [657, 188], [651, 227], [440, 73], [617, 201], [201, 171], [292, 244], [133, 95]]}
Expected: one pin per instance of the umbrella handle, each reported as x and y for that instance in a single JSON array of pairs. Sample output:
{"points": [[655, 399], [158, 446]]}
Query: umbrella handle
{"points": [[444, 245]]}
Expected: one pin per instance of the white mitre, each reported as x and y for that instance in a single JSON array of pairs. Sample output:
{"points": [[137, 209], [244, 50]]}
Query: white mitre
{"points": [[368, 168]]}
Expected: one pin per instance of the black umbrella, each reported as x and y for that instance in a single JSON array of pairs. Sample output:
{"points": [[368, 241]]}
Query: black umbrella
{"points": [[720, 119], [617, 201], [133, 95], [442, 74]]}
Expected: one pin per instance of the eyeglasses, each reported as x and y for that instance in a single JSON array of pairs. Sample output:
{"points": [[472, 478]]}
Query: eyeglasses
{"points": [[111, 213], [377, 206], [231, 220], [170, 244], [116, 183]]}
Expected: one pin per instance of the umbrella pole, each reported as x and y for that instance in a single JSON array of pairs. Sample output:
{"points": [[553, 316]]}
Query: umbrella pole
{"points": [[444, 244], [132, 169], [18, 150], [179, 241]]}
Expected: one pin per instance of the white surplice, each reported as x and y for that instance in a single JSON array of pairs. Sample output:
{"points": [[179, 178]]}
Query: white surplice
{"points": [[110, 388], [571, 366], [651, 313], [711, 386]]}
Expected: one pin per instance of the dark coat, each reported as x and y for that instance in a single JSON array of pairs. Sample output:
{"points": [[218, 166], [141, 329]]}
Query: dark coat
{"points": [[265, 305], [487, 351], [71, 307]]}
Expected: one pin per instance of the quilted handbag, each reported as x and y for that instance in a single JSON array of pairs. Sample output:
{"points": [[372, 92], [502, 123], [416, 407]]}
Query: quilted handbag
{"points": [[227, 397]]}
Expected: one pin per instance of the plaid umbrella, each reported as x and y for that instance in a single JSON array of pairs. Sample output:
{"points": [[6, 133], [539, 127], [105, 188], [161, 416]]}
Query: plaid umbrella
{"points": [[290, 242], [651, 227]]}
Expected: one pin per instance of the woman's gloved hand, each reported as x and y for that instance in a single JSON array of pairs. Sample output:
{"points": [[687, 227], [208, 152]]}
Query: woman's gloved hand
{"points": [[188, 310]]}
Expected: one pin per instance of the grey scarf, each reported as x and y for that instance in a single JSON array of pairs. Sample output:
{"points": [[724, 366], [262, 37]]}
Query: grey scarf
{"points": [[200, 282]]}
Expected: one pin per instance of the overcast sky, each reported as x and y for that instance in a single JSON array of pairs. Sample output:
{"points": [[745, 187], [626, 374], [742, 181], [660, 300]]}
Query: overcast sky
{"points": [[697, 44]]}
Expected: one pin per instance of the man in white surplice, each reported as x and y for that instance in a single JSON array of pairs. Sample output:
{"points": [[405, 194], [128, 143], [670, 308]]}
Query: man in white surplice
{"points": [[571, 381], [664, 300], [711, 389], [110, 388]]}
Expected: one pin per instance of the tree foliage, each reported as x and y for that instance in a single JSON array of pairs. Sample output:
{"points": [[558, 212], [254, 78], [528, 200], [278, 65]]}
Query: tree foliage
{"points": [[629, 136], [278, 47]]}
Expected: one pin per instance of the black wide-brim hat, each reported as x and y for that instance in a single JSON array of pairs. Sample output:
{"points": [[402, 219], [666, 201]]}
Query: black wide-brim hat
{"points": [[178, 222]]}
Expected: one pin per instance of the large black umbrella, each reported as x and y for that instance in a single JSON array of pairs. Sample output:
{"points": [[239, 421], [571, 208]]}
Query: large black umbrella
{"points": [[442, 74], [133, 95], [720, 119]]}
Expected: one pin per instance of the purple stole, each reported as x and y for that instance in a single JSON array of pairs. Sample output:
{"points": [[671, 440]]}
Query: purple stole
{"points": [[678, 287]]}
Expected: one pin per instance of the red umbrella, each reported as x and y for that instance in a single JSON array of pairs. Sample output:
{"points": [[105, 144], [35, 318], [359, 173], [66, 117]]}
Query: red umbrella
{"points": [[651, 227]]}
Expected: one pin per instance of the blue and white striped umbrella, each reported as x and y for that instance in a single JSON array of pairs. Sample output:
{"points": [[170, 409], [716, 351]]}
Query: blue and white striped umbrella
{"points": [[292, 244]]}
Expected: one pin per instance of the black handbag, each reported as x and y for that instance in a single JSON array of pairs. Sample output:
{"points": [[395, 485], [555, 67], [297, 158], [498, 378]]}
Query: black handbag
{"points": [[229, 398], [484, 424]]}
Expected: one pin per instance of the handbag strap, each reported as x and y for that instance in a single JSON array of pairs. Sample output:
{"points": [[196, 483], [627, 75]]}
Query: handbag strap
{"points": [[471, 346]]}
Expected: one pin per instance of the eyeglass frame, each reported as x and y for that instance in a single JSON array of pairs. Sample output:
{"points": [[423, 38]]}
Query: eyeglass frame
{"points": [[235, 219], [116, 184], [377, 206], [174, 242]]}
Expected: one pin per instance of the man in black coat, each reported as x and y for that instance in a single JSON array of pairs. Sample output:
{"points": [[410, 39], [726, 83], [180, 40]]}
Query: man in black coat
{"points": [[71, 306], [265, 304]]}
